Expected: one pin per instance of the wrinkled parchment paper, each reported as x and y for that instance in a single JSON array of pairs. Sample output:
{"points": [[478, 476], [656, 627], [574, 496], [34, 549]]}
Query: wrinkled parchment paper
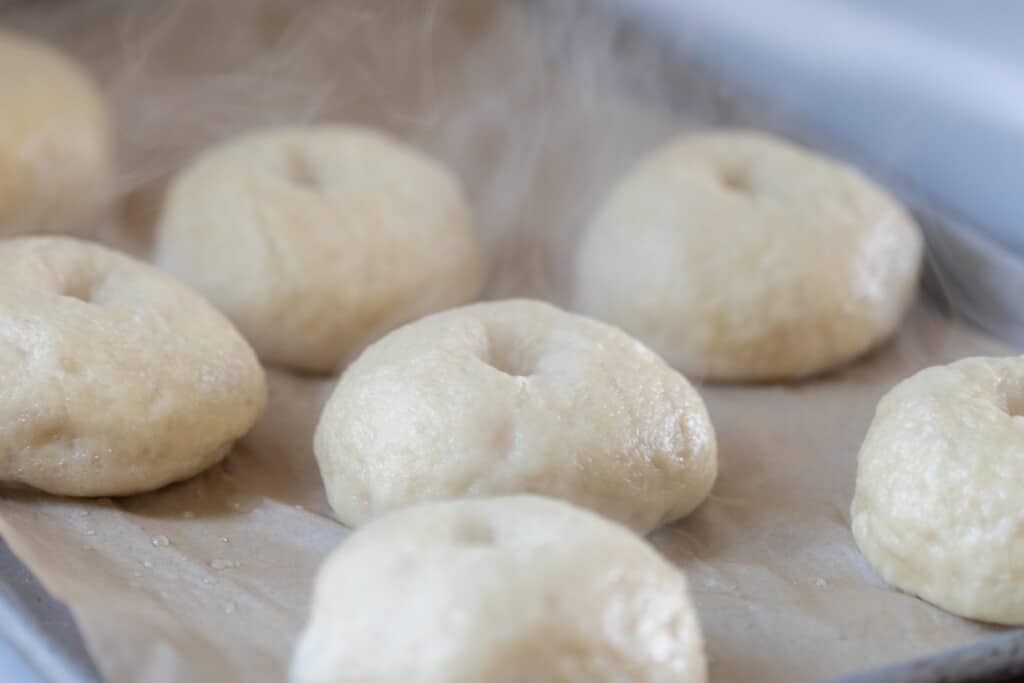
{"points": [[538, 106]]}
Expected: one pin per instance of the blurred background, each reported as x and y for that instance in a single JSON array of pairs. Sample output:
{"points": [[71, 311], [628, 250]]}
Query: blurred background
{"points": [[927, 96], [540, 104]]}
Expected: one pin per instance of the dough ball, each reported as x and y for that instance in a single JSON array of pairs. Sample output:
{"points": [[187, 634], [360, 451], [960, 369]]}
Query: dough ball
{"points": [[55, 142], [503, 590], [939, 504], [116, 378], [315, 241], [515, 397], [741, 257]]}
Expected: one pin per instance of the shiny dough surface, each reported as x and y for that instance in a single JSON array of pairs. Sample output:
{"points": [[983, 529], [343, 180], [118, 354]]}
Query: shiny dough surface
{"points": [[511, 397], [939, 504], [116, 378], [501, 590]]}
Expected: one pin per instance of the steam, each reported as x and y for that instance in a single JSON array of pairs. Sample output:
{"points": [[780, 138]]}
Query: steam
{"points": [[538, 106], [534, 105]]}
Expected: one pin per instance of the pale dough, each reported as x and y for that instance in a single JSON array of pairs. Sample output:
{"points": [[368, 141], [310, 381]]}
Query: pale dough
{"points": [[515, 397], [56, 168], [116, 378], [315, 241], [742, 257], [504, 590], [939, 504]]}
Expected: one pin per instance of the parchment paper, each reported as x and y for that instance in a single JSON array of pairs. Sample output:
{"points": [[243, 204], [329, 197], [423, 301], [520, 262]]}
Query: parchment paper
{"points": [[538, 107]]}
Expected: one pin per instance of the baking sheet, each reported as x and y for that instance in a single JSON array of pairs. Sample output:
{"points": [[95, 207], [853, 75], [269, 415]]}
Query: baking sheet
{"points": [[538, 106]]}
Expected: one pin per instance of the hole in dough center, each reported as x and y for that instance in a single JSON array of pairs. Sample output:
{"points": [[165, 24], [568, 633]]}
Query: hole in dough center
{"points": [[510, 366], [736, 179], [474, 532], [510, 358], [1015, 401], [80, 293], [79, 284], [301, 172]]}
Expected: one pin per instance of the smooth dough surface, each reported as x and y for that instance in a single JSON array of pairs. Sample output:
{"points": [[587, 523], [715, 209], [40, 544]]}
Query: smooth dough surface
{"points": [[741, 257], [503, 590], [116, 378], [56, 153], [939, 503], [315, 241], [514, 397]]}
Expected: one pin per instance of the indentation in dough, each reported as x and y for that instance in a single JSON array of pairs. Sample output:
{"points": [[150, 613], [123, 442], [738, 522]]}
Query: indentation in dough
{"points": [[1015, 400], [474, 531], [509, 357], [80, 285], [69, 364], [80, 294], [504, 437], [300, 170], [52, 430], [736, 178]]}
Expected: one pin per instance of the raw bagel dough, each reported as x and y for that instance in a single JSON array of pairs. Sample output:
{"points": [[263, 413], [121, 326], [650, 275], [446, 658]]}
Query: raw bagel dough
{"points": [[741, 257], [55, 142], [116, 378], [939, 504], [515, 397], [501, 590], [315, 241]]}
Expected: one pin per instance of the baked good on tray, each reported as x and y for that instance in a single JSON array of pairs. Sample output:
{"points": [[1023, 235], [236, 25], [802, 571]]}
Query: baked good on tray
{"points": [[500, 590], [742, 257], [56, 157], [938, 509], [117, 378], [316, 240], [511, 397]]}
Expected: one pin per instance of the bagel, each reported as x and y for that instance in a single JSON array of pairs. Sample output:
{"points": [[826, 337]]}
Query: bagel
{"points": [[117, 379], [741, 257], [315, 241], [938, 508], [500, 590], [515, 397], [56, 149]]}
